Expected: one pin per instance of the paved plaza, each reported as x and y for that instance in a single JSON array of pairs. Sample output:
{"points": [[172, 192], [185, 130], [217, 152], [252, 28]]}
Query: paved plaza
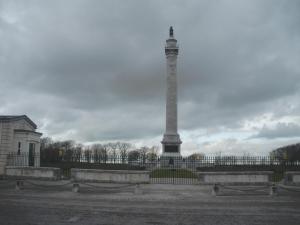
{"points": [[54, 203]]}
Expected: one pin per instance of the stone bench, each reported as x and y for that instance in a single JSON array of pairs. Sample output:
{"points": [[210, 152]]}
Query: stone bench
{"points": [[236, 177], [110, 176], [46, 173], [292, 178]]}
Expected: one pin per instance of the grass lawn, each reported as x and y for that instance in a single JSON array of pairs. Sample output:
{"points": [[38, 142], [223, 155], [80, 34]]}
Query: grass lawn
{"points": [[172, 173]]}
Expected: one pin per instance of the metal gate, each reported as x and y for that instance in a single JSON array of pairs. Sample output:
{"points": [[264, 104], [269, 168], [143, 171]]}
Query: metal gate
{"points": [[31, 154], [173, 171]]}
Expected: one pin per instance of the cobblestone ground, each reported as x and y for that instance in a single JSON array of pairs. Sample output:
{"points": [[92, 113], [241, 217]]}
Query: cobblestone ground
{"points": [[151, 204]]}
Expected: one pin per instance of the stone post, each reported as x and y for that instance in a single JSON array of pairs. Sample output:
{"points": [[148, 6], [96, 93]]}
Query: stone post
{"points": [[75, 187], [273, 190], [215, 190]]}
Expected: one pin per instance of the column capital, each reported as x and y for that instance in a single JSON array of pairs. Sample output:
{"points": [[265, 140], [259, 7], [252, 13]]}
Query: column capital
{"points": [[171, 51]]}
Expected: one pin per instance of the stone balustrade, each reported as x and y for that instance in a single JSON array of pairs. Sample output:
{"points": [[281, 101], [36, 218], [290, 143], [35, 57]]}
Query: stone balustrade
{"points": [[47, 173], [292, 178], [110, 176], [235, 177]]}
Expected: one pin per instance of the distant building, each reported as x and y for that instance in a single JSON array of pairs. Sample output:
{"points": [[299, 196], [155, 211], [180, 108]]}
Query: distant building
{"points": [[18, 136]]}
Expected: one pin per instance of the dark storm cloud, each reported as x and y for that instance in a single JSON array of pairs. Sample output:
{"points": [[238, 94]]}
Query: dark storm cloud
{"points": [[96, 69]]}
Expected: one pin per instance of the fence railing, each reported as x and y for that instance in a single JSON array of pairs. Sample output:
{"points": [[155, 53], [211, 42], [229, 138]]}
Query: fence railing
{"points": [[205, 162], [161, 165], [23, 159]]}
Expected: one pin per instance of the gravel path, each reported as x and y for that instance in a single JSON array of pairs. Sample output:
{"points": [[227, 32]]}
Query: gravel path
{"points": [[158, 204]]}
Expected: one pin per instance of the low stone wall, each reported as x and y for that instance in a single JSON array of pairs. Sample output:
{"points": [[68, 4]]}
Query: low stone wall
{"points": [[110, 176], [3, 159], [2, 169], [292, 178], [235, 178], [47, 173]]}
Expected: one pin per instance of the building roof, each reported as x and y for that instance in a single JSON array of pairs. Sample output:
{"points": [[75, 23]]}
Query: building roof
{"points": [[27, 131], [9, 118]]}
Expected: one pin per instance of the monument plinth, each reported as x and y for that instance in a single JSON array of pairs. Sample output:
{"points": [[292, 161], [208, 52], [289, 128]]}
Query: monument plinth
{"points": [[171, 139]]}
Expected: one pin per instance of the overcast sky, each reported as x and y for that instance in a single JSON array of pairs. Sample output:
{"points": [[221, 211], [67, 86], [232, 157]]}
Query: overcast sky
{"points": [[94, 71]]}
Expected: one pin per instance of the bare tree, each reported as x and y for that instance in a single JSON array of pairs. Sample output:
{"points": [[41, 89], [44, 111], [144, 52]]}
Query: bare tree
{"points": [[77, 152], [67, 147], [96, 149], [143, 153], [113, 146], [133, 156], [123, 148], [152, 154], [46, 148], [104, 152], [45, 142], [88, 154]]}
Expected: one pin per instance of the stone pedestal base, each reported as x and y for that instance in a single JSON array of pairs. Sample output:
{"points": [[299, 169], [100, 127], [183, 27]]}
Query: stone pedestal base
{"points": [[171, 138], [171, 160], [171, 156], [171, 144]]}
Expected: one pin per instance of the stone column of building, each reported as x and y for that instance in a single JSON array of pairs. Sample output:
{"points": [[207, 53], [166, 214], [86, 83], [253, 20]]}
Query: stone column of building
{"points": [[171, 140]]}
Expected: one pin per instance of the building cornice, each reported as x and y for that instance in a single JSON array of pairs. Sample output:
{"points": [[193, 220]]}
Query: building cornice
{"points": [[9, 118], [27, 131]]}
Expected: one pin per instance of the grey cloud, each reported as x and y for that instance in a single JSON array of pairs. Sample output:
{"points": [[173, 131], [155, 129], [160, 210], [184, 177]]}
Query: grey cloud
{"points": [[96, 62], [282, 130]]}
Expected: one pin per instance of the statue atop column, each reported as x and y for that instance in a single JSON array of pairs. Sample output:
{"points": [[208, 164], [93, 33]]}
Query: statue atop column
{"points": [[171, 32]]}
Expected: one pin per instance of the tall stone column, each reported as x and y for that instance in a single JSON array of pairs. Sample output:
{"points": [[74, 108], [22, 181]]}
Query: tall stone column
{"points": [[171, 140]]}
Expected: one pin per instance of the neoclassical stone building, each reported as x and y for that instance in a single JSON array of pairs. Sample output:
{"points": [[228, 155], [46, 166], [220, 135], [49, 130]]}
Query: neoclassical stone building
{"points": [[18, 136]]}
